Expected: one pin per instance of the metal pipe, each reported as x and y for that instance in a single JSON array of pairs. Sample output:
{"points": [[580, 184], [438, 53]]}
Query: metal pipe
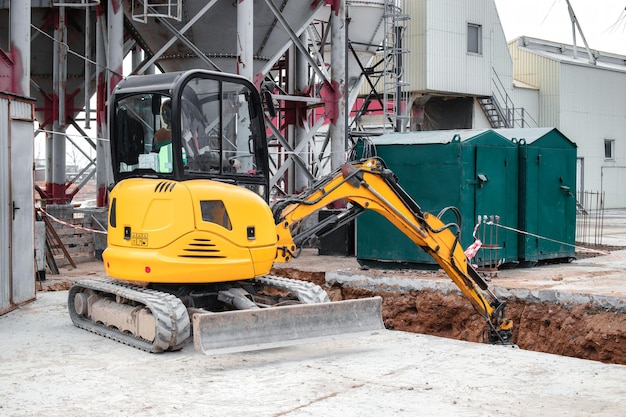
{"points": [[400, 126], [301, 180], [290, 129], [56, 186], [20, 43], [245, 38], [115, 48], [338, 83], [102, 155], [58, 163], [114, 58], [87, 68]]}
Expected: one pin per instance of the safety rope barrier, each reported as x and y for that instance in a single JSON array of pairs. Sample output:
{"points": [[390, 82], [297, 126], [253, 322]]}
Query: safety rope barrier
{"points": [[473, 249], [64, 223], [580, 248]]}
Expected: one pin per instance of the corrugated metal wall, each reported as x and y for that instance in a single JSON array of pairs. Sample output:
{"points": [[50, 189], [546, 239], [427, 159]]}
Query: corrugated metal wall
{"points": [[543, 74], [415, 43], [592, 110], [439, 60], [528, 98]]}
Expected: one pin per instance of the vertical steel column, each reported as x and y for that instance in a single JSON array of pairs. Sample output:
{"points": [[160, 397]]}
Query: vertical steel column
{"points": [[87, 84], [245, 38], [115, 50], [290, 129], [338, 82], [102, 155], [115, 60], [58, 126], [20, 45], [400, 122], [301, 180]]}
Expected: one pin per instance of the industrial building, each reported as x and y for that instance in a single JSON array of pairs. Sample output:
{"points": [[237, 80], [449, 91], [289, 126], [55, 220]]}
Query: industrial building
{"points": [[420, 65]]}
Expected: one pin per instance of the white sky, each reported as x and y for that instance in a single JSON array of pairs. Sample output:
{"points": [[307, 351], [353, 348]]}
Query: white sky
{"points": [[603, 22]]}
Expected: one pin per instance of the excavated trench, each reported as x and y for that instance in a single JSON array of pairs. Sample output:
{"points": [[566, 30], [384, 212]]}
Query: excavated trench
{"points": [[583, 331]]}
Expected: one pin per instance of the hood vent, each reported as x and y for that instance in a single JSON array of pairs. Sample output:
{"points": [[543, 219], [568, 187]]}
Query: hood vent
{"points": [[165, 186], [201, 248]]}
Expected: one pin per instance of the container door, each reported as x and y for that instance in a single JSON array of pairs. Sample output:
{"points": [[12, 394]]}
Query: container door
{"points": [[496, 199], [5, 213], [556, 208], [22, 212]]}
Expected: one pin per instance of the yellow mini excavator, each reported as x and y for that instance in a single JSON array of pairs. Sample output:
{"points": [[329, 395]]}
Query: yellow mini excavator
{"points": [[192, 237]]}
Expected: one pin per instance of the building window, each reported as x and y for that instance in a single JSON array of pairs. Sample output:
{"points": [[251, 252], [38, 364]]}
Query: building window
{"points": [[5, 30], [609, 148], [474, 38]]}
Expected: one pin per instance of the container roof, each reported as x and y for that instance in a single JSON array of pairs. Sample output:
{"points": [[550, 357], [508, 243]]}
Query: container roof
{"points": [[562, 52], [433, 136], [533, 134]]}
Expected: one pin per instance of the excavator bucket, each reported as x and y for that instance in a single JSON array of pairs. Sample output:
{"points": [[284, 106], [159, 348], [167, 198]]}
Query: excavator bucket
{"points": [[246, 330]]}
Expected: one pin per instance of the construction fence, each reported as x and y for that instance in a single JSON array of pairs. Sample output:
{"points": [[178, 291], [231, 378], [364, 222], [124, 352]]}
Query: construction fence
{"points": [[590, 218]]}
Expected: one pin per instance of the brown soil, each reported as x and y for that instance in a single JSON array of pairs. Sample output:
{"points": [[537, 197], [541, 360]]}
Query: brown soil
{"points": [[582, 331]]}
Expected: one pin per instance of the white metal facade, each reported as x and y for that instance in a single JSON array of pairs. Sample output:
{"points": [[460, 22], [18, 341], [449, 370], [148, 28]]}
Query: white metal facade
{"points": [[437, 39], [586, 102]]}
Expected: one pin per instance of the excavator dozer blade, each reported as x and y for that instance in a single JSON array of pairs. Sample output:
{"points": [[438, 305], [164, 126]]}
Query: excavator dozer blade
{"points": [[246, 330]]}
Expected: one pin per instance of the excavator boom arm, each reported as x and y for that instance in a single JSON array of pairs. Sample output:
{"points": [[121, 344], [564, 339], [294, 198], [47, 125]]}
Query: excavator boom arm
{"points": [[368, 185]]}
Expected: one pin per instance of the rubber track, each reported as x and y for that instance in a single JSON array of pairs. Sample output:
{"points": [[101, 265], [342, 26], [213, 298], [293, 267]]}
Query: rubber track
{"points": [[172, 321], [307, 292]]}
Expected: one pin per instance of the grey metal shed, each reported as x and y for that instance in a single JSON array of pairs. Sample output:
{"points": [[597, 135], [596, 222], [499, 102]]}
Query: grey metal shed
{"points": [[17, 226]]}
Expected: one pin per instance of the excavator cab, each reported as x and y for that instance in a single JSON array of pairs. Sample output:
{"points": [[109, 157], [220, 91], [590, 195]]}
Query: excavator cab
{"points": [[189, 125]]}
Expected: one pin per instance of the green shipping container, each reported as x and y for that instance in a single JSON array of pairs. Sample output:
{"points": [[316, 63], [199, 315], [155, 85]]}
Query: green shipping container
{"points": [[475, 171], [547, 189]]}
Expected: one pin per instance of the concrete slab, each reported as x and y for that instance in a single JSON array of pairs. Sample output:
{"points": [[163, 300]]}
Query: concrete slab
{"points": [[49, 367]]}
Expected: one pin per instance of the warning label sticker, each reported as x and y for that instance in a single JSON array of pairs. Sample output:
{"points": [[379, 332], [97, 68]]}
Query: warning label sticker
{"points": [[139, 239]]}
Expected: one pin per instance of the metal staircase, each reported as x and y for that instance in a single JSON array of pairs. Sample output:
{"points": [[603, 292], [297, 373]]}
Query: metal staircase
{"points": [[500, 109], [495, 114]]}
